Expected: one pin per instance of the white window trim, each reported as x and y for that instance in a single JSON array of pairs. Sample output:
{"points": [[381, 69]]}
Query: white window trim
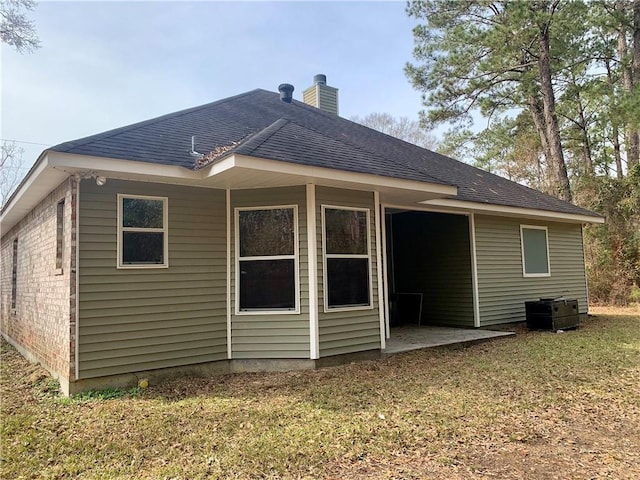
{"points": [[164, 230], [524, 267], [295, 257], [325, 300]]}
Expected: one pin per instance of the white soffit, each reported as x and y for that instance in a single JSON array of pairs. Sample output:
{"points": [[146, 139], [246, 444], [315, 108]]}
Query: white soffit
{"points": [[507, 211], [38, 183], [235, 172], [240, 171]]}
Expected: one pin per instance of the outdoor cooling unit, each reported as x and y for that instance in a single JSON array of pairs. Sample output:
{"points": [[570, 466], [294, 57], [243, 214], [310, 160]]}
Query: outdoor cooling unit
{"points": [[552, 314]]}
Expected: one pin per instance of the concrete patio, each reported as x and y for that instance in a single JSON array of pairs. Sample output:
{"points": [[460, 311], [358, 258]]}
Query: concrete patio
{"points": [[404, 339]]}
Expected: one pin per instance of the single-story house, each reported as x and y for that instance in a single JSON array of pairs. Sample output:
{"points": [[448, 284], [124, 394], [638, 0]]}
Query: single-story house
{"points": [[260, 232]]}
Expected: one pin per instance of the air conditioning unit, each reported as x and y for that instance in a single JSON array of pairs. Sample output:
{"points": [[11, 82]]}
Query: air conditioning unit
{"points": [[552, 314]]}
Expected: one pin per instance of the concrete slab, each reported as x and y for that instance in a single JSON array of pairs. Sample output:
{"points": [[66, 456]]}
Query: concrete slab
{"points": [[404, 339]]}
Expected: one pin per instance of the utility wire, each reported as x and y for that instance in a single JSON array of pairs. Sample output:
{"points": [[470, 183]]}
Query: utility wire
{"points": [[20, 141]]}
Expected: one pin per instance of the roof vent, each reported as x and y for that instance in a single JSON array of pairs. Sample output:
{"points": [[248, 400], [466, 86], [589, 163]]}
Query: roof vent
{"points": [[286, 92], [321, 95]]}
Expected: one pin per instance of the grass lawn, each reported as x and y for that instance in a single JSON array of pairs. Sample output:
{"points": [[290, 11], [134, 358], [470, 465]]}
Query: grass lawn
{"points": [[538, 405]]}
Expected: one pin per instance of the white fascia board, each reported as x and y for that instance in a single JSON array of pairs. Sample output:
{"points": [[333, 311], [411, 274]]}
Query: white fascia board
{"points": [[351, 177], [502, 210], [118, 168], [328, 174], [52, 168], [38, 183], [36, 172]]}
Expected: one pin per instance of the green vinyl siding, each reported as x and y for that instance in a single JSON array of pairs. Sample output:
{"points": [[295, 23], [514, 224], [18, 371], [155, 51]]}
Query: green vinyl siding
{"points": [[432, 256], [139, 319], [502, 288], [273, 335], [352, 330]]}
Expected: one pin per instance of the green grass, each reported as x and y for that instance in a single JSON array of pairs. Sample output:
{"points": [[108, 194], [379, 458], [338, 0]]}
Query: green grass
{"points": [[531, 406], [104, 394]]}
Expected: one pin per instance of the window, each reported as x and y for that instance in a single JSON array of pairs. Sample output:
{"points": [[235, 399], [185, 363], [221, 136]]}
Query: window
{"points": [[267, 263], [14, 274], [142, 232], [535, 251], [59, 233], [347, 269]]}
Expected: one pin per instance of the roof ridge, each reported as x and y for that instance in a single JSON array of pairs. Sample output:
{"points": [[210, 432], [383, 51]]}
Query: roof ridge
{"points": [[135, 126], [267, 132]]}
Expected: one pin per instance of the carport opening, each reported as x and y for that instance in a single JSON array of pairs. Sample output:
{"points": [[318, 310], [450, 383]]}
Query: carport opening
{"points": [[428, 268]]}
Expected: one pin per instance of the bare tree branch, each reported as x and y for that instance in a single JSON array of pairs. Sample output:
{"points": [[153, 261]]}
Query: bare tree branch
{"points": [[10, 169], [403, 128], [16, 29]]}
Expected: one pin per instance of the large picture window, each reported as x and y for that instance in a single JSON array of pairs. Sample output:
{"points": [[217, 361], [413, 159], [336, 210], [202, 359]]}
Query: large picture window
{"points": [[535, 251], [142, 232], [267, 260], [347, 268]]}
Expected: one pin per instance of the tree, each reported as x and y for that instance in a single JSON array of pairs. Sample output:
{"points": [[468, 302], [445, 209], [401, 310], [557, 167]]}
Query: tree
{"points": [[613, 249], [509, 147], [402, 128], [492, 57], [558, 82], [10, 169], [16, 29]]}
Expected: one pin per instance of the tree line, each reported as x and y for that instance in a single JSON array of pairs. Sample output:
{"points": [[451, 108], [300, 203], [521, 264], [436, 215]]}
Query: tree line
{"points": [[557, 85]]}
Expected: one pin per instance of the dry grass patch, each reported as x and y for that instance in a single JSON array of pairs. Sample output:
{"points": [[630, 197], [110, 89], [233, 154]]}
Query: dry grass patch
{"points": [[538, 405]]}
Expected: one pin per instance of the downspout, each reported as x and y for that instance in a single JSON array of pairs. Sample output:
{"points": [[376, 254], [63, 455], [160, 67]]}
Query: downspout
{"points": [[228, 218], [75, 225]]}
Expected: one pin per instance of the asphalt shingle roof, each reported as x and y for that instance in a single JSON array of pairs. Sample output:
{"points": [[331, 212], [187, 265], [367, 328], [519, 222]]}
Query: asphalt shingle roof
{"points": [[258, 123]]}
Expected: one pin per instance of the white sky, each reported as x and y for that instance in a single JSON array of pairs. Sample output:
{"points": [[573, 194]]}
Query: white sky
{"points": [[103, 65]]}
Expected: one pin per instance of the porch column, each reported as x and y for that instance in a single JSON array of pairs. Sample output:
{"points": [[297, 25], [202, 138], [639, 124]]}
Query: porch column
{"points": [[474, 270], [381, 285], [312, 252]]}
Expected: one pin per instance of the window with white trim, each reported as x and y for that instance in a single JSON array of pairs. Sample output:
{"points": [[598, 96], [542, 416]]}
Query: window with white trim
{"points": [[535, 251], [267, 260], [142, 231], [347, 257]]}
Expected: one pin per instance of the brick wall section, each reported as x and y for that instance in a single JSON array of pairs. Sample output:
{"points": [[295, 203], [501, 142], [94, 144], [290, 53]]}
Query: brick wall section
{"points": [[43, 323]]}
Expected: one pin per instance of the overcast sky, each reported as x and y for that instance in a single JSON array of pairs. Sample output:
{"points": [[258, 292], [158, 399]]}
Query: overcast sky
{"points": [[103, 65]]}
